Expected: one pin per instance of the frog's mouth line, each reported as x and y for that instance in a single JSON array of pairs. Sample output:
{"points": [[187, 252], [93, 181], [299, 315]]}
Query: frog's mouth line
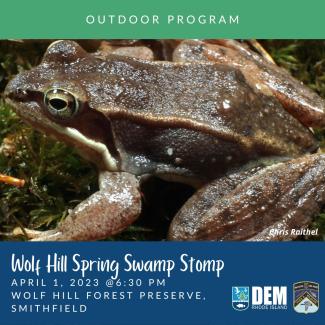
{"points": [[63, 133]]}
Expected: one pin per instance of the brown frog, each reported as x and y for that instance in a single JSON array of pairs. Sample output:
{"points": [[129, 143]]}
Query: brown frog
{"points": [[219, 117]]}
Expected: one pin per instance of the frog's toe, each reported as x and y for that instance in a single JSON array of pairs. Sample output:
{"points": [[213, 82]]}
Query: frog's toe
{"points": [[50, 235], [36, 235]]}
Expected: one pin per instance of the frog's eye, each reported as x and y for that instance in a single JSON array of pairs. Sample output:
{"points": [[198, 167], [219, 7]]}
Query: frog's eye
{"points": [[61, 103]]}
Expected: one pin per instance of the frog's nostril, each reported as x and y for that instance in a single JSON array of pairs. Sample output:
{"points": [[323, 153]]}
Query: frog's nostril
{"points": [[16, 88], [17, 94], [11, 89], [21, 92]]}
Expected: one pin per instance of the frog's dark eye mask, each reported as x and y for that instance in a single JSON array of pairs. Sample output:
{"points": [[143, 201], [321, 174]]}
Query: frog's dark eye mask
{"points": [[60, 103], [71, 121]]}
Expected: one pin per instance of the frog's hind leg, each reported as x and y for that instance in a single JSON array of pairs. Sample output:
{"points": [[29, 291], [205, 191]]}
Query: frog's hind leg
{"points": [[261, 74], [270, 204], [110, 210]]}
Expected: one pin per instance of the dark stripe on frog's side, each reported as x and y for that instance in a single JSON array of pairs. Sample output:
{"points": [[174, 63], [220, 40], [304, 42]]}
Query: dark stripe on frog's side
{"points": [[152, 149], [175, 151]]}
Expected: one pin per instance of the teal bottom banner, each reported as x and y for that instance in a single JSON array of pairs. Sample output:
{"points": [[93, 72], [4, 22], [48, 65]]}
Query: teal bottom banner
{"points": [[165, 283]]}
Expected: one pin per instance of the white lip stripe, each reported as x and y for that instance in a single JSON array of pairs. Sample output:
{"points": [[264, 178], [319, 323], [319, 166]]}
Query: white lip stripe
{"points": [[108, 160]]}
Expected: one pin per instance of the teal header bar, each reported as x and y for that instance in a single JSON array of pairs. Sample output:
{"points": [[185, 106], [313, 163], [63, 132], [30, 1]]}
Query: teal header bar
{"points": [[164, 19]]}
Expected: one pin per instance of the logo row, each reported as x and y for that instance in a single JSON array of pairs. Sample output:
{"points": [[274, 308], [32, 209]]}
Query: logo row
{"points": [[305, 297]]}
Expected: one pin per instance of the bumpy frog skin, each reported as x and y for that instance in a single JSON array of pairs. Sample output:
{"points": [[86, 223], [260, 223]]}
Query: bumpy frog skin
{"points": [[218, 116]]}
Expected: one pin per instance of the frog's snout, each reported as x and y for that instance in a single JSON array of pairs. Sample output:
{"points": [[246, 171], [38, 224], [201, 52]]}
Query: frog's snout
{"points": [[15, 90], [18, 94]]}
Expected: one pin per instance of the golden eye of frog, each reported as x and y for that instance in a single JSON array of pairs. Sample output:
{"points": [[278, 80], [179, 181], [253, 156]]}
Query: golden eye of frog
{"points": [[218, 116]]}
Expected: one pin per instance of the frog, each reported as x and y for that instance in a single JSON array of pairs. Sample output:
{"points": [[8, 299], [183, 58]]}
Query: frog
{"points": [[213, 114]]}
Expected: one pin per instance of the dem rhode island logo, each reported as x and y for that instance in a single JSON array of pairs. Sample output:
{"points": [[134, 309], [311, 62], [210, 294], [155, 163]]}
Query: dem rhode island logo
{"points": [[240, 298], [306, 297]]}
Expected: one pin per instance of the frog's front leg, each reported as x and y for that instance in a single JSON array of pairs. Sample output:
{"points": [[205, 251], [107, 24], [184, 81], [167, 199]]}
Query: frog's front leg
{"points": [[262, 205], [110, 210]]}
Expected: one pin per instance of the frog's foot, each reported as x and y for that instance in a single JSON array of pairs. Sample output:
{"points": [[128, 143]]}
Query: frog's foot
{"points": [[262, 205], [49, 235], [110, 210], [36, 235], [263, 76]]}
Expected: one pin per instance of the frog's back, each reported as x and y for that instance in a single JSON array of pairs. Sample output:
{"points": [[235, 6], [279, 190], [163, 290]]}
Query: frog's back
{"points": [[213, 99]]}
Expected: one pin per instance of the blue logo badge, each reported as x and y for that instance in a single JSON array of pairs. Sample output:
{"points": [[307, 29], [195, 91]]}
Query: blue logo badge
{"points": [[306, 297], [240, 298]]}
